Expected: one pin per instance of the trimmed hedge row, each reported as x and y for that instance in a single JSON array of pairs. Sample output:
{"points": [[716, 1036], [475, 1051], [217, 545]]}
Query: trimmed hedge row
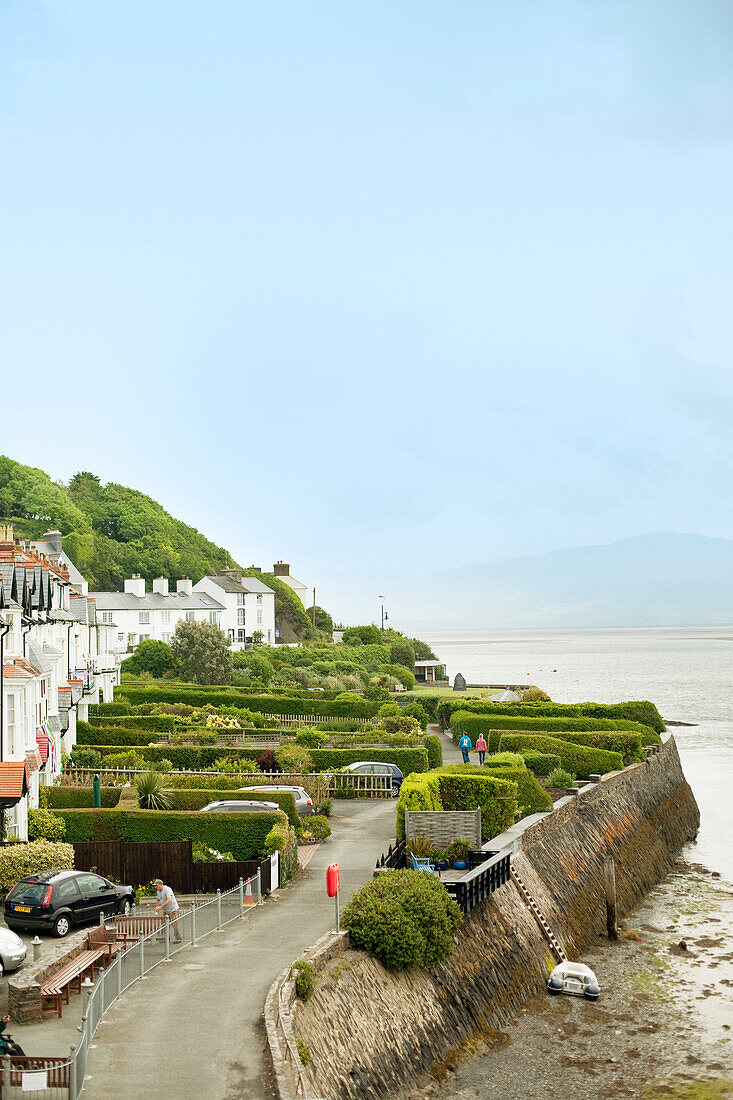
{"points": [[429, 702], [110, 710], [628, 744], [243, 834], [582, 760], [194, 798], [95, 736], [491, 727], [434, 747], [162, 723], [640, 712], [265, 704], [449, 789], [531, 797], [68, 798], [541, 763], [200, 757]]}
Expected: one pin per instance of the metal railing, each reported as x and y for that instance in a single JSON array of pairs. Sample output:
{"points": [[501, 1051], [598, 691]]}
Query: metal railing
{"points": [[54, 1079], [370, 786]]}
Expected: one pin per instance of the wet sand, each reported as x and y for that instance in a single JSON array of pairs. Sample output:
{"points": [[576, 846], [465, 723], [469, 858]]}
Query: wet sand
{"points": [[663, 1025]]}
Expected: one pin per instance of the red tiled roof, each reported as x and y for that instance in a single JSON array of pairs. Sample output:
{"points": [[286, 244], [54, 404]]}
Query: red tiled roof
{"points": [[64, 687], [42, 742], [13, 779]]}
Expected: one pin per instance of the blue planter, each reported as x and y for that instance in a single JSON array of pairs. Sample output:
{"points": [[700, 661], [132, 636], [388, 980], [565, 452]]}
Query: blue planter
{"points": [[460, 864], [442, 864]]}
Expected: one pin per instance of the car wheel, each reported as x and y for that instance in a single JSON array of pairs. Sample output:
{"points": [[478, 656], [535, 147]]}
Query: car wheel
{"points": [[124, 907], [61, 926]]}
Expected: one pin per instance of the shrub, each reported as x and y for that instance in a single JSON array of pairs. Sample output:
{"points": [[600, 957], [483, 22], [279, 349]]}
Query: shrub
{"points": [[504, 760], [581, 759], [281, 838], [418, 792], [345, 705], [558, 777], [19, 860], [630, 716], [531, 797], [344, 791], [495, 797], [304, 1052], [493, 727], [326, 807], [541, 763], [73, 797], [154, 657], [266, 761], [131, 760], [201, 853], [316, 828], [43, 825], [310, 738], [243, 834], [415, 710], [164, 765], [401, 673], [86, 758], [110, 709], [293, 758], [306, 977], [402, 652], [404, 918], [192, 798], [151, 792], [535, 695], [628, 744], [434, 747]]}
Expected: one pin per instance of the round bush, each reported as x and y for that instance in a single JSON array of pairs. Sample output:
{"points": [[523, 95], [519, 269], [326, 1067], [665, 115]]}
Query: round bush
{"points": [[44, 825], [560, 778], [404, 918]]}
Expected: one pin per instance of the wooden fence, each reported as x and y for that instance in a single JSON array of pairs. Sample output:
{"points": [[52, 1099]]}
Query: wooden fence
{"points": [[172, 860], [317, 784]]}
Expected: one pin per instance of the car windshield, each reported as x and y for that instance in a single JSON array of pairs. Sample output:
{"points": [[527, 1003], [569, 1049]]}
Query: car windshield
{"points": [[28, 891]]}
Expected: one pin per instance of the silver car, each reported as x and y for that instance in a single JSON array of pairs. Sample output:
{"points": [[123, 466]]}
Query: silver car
{"points": [[12, 951], [241, 804], [303, 801]]}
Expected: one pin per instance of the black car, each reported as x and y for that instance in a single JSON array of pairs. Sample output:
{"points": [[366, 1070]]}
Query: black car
{"points": [[54, 901]]}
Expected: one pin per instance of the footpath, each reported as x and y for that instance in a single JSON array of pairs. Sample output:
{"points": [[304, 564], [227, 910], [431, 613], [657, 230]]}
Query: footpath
{"points": [[193, 1028]]}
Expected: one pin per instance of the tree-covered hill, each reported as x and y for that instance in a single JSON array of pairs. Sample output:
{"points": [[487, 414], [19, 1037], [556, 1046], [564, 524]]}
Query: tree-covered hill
{"points": [[111, 531]]}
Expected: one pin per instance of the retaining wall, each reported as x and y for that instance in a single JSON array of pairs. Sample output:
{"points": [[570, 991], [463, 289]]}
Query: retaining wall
{"points": [[374, 1033]]}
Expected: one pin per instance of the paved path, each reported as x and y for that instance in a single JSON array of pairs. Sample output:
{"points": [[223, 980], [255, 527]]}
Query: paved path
{"points": [[192, 1029], [451, 752]]}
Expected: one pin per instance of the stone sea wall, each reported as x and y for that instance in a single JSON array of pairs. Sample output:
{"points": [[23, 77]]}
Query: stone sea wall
{"points": [[372, 1033]]}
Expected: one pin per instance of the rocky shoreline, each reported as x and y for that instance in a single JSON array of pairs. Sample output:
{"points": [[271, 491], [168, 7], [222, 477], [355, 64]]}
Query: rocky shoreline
{"points": [[662, 1027]]}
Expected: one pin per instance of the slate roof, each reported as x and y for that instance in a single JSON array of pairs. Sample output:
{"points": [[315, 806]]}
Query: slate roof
{"points": [[247, 584], [48, 549], [154, 601]]}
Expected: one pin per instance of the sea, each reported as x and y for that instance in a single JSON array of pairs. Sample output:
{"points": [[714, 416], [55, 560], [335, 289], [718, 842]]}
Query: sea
{"points": [[687, 672]]}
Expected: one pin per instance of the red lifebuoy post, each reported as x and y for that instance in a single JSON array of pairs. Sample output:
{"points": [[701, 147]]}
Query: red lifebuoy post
{"points": [[333, 886]]}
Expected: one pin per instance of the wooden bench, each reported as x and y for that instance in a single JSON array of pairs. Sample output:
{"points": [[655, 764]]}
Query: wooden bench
{"points": [[103, 938], [137, 925], [57, 984]]}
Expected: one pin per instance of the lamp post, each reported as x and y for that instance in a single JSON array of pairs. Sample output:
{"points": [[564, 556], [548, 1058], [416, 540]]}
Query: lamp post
{"points": [[382, 601]]}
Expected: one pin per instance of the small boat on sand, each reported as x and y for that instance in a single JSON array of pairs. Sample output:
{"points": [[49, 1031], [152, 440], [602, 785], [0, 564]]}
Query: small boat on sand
{"points": [[577, 979]]}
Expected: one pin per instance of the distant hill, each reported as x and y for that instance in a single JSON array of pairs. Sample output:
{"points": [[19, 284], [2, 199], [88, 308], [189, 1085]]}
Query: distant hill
{"points": [[111, 531], [662, 579]]}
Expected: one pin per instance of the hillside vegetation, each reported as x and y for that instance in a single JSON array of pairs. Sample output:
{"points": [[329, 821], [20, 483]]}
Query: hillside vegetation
{"points": [[111, 531]]}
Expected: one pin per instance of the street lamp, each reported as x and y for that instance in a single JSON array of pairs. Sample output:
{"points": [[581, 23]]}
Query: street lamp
{"points": [[383, 615]]}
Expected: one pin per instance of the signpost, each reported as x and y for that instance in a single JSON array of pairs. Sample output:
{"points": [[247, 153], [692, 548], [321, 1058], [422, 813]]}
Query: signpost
{"points": [[333, 886]]}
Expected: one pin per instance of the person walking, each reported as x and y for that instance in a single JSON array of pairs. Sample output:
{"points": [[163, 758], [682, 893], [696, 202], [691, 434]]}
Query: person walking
{"points": [[165, 902], [481, 748], [465, 746]]}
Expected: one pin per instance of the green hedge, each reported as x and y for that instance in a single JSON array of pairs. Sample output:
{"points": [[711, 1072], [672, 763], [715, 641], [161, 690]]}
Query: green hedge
{"points": [[161, 723], [198, 758], [435, 750], [541, 763], [243, 834], [430, 702], [531, 797], [640, 713], [492, 727], [94, 736], [68, 798], [109, 709], [195, 798], [264, 704], [495, 796], [418, 792], [582, 760], [628, 744]]}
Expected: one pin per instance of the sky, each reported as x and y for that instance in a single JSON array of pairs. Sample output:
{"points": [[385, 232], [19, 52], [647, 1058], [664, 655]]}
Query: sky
{"points": [[370, 285]]}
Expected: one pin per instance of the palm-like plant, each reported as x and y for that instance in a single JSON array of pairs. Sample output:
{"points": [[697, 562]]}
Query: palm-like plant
{"points": [[151, 791]]}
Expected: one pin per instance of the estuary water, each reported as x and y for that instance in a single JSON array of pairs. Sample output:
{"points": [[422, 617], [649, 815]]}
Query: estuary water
{"points": [[688, 673]]}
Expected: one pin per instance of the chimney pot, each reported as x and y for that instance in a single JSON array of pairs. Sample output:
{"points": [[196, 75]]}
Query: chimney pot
{"points": [[160, 585]]}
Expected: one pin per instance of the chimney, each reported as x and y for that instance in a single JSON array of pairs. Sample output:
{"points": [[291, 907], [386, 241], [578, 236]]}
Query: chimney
{"points": [[160, 585], [54, 537], [256, 568], [281, 569], [235, 574], [135, 585], [184, 587]]}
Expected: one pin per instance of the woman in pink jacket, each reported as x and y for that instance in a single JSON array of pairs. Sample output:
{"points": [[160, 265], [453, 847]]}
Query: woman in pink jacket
{"points": [[481, 748]]}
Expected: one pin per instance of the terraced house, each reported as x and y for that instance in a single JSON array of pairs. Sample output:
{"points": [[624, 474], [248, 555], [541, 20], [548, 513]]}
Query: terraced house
{"points": [[137, 615], [55, 659]]}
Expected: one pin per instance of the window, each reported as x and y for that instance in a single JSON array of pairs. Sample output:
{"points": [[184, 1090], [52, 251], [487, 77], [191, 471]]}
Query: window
{"points": [[240, 599], [165, 617], [240, 635], [259, 616], [240, 617], [214, 617], [166, 638], [121, 636], [143, 638], [269, 635], [66, 891], [91, 884], [144, 618], [190, 615], [107, 617], [11, 712], [259, 599]]}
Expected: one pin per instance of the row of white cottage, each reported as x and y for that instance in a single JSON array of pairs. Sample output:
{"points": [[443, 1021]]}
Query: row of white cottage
{"points": [[56, 657]]}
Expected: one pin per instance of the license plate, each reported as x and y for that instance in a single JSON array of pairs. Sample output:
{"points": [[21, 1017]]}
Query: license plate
{"points": [[22, 909]]}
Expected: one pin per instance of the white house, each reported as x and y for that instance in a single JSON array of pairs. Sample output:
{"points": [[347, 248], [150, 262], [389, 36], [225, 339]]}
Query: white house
{"points": [[54, 661], [249, 606], [137, 616], [281, 569]]}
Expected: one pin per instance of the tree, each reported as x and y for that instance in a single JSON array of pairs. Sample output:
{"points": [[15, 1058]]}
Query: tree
{"points": [[203, 653], [402, 653], [154, 657]]}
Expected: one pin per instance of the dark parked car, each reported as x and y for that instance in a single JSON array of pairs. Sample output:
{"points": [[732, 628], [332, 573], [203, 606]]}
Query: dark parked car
{"points": [[377, 767], [54, 901]]}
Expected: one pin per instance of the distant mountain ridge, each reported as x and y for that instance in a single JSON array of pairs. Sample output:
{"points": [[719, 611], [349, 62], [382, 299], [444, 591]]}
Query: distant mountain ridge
{"points": [[660, 579]]}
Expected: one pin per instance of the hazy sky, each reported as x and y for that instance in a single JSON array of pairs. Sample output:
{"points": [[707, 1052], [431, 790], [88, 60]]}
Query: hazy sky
{"points": [[365, 284]]}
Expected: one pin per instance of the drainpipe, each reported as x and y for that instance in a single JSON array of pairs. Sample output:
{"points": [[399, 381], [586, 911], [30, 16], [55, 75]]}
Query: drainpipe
{"points": [[68, 650], [4, 630]]}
